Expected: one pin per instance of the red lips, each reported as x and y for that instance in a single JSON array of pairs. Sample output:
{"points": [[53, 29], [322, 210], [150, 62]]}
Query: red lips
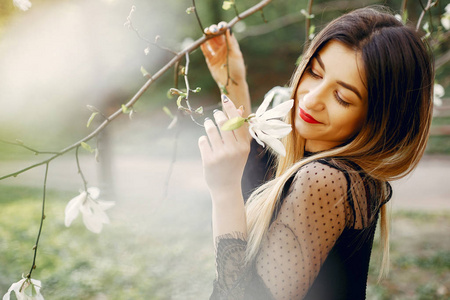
{"points": [[307, 118]]}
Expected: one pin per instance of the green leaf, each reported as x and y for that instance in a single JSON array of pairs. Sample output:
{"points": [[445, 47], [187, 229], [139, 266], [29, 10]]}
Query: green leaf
{"points": [[197, 90], [199, 110], [405, 16], [227, 5], [223, 89], [97, 155], [233, 123], [144, 72], [306, 14], [125, 109], [299, 60], [86, 147], [91, 118], [92, 108], [179, 101], [312, 29], [168, 112]]}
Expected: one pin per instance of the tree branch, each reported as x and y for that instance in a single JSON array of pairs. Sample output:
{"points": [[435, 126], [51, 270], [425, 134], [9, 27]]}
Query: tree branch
{"points": [[142, 90], [430, 4], [35, 247]]}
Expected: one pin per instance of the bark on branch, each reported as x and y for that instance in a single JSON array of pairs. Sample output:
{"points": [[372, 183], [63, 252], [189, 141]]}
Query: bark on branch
{"points": [[179, 56]]}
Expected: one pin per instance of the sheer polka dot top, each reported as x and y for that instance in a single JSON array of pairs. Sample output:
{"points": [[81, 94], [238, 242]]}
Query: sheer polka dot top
{"points": [[307, 224]]}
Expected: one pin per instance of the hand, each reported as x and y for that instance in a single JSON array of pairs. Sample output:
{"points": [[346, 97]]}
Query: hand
{"points": [[225, 155], [216, 50]]}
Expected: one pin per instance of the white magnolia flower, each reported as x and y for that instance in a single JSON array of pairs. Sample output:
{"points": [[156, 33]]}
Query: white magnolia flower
{"points": [[25, 289], [445, 20], [266, 126], [22, 4], [438, 94], [92, 210]]}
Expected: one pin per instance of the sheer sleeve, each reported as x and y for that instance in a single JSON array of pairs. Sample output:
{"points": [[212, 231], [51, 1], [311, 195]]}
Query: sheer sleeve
{"points": [[308, 224], [304, 229]]}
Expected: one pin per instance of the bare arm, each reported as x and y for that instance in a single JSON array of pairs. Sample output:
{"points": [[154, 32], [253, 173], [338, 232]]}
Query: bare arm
{"points": [[220, 52], [224, 158]]}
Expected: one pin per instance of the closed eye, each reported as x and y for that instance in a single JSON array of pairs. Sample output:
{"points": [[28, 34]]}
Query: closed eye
{"points": [[340, 101], [310, 72]]}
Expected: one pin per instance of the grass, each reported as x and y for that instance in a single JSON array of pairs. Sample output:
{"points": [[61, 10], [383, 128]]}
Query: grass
{"points": [[168, 254], [439, 144]]}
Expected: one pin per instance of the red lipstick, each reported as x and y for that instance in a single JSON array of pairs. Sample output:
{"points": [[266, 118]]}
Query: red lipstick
{"points": [[307, 118]]}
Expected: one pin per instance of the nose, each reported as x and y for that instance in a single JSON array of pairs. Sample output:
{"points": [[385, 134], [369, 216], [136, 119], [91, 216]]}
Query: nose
{"points": [[315, 98]]}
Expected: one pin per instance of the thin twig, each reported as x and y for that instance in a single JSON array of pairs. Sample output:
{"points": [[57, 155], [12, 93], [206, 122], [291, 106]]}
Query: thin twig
{"points": [[403, 8], [142, 90], [19, 144], [430, 4], [197, 16], [307, 25], [79, 169], [188, 90], [35, 248], [228, 65], [130, 26], [236, 10]]}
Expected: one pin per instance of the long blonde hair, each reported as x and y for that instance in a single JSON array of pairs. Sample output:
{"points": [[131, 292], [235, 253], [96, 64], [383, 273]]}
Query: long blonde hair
{"points": [[399, 77]]}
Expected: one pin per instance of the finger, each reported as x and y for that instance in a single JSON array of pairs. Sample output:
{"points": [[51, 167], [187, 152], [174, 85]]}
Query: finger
{"points": [[218, 42], [222, 25], [230, 109], [241, 110], [205, 148], [213, 134], [227, 135], [232, 42], [214, 29], [207, 50]]}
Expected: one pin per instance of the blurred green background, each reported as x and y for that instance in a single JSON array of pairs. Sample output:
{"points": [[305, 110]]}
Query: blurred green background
{"points": [[64, 54]]}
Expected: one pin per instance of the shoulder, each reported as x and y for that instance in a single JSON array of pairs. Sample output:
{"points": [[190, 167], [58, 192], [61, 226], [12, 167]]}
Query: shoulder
{"points": [[320, 180], [322, 172], [330, 183]]}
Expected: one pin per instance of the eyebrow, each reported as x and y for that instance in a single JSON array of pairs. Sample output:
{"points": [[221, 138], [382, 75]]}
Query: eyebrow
{"points": [[345, 85]]}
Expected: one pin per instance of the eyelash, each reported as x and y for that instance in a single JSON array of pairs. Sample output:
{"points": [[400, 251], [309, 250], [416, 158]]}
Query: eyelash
{"points": [[310, 72]]}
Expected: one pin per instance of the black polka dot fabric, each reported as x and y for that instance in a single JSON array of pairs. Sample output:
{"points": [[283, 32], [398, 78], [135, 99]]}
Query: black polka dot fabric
{"points": [[321, 203]]}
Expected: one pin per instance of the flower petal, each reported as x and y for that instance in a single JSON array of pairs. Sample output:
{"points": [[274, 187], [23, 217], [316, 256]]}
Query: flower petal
{"points": [[265, 104], [104, 205], [252, 129], [279, 111], [277, 133], [273, 143], [73, 208], [94, 192], [14, 287], [92, 222]]}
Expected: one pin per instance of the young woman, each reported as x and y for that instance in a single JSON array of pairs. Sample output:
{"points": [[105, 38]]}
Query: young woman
{"points": [[361, 118]]}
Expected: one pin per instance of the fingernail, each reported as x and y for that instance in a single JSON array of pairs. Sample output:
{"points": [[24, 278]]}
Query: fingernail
{"points": [[222, 25], [225, 99], [216, 110], [207, 119], [241, 107], [214, 29]]}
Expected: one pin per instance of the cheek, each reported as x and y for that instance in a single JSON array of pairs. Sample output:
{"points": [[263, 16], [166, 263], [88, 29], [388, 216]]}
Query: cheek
{"points": [[348, 121]]}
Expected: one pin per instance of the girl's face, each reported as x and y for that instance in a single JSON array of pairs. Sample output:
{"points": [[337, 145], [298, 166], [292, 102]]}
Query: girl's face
{"points": [[331, 98]]}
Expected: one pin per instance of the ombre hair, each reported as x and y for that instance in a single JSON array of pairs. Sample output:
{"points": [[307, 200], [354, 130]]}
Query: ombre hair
{"points": [[399, 73]]}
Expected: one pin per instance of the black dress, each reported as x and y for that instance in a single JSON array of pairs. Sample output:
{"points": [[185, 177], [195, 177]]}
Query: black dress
{"points": [[318, 244]]}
